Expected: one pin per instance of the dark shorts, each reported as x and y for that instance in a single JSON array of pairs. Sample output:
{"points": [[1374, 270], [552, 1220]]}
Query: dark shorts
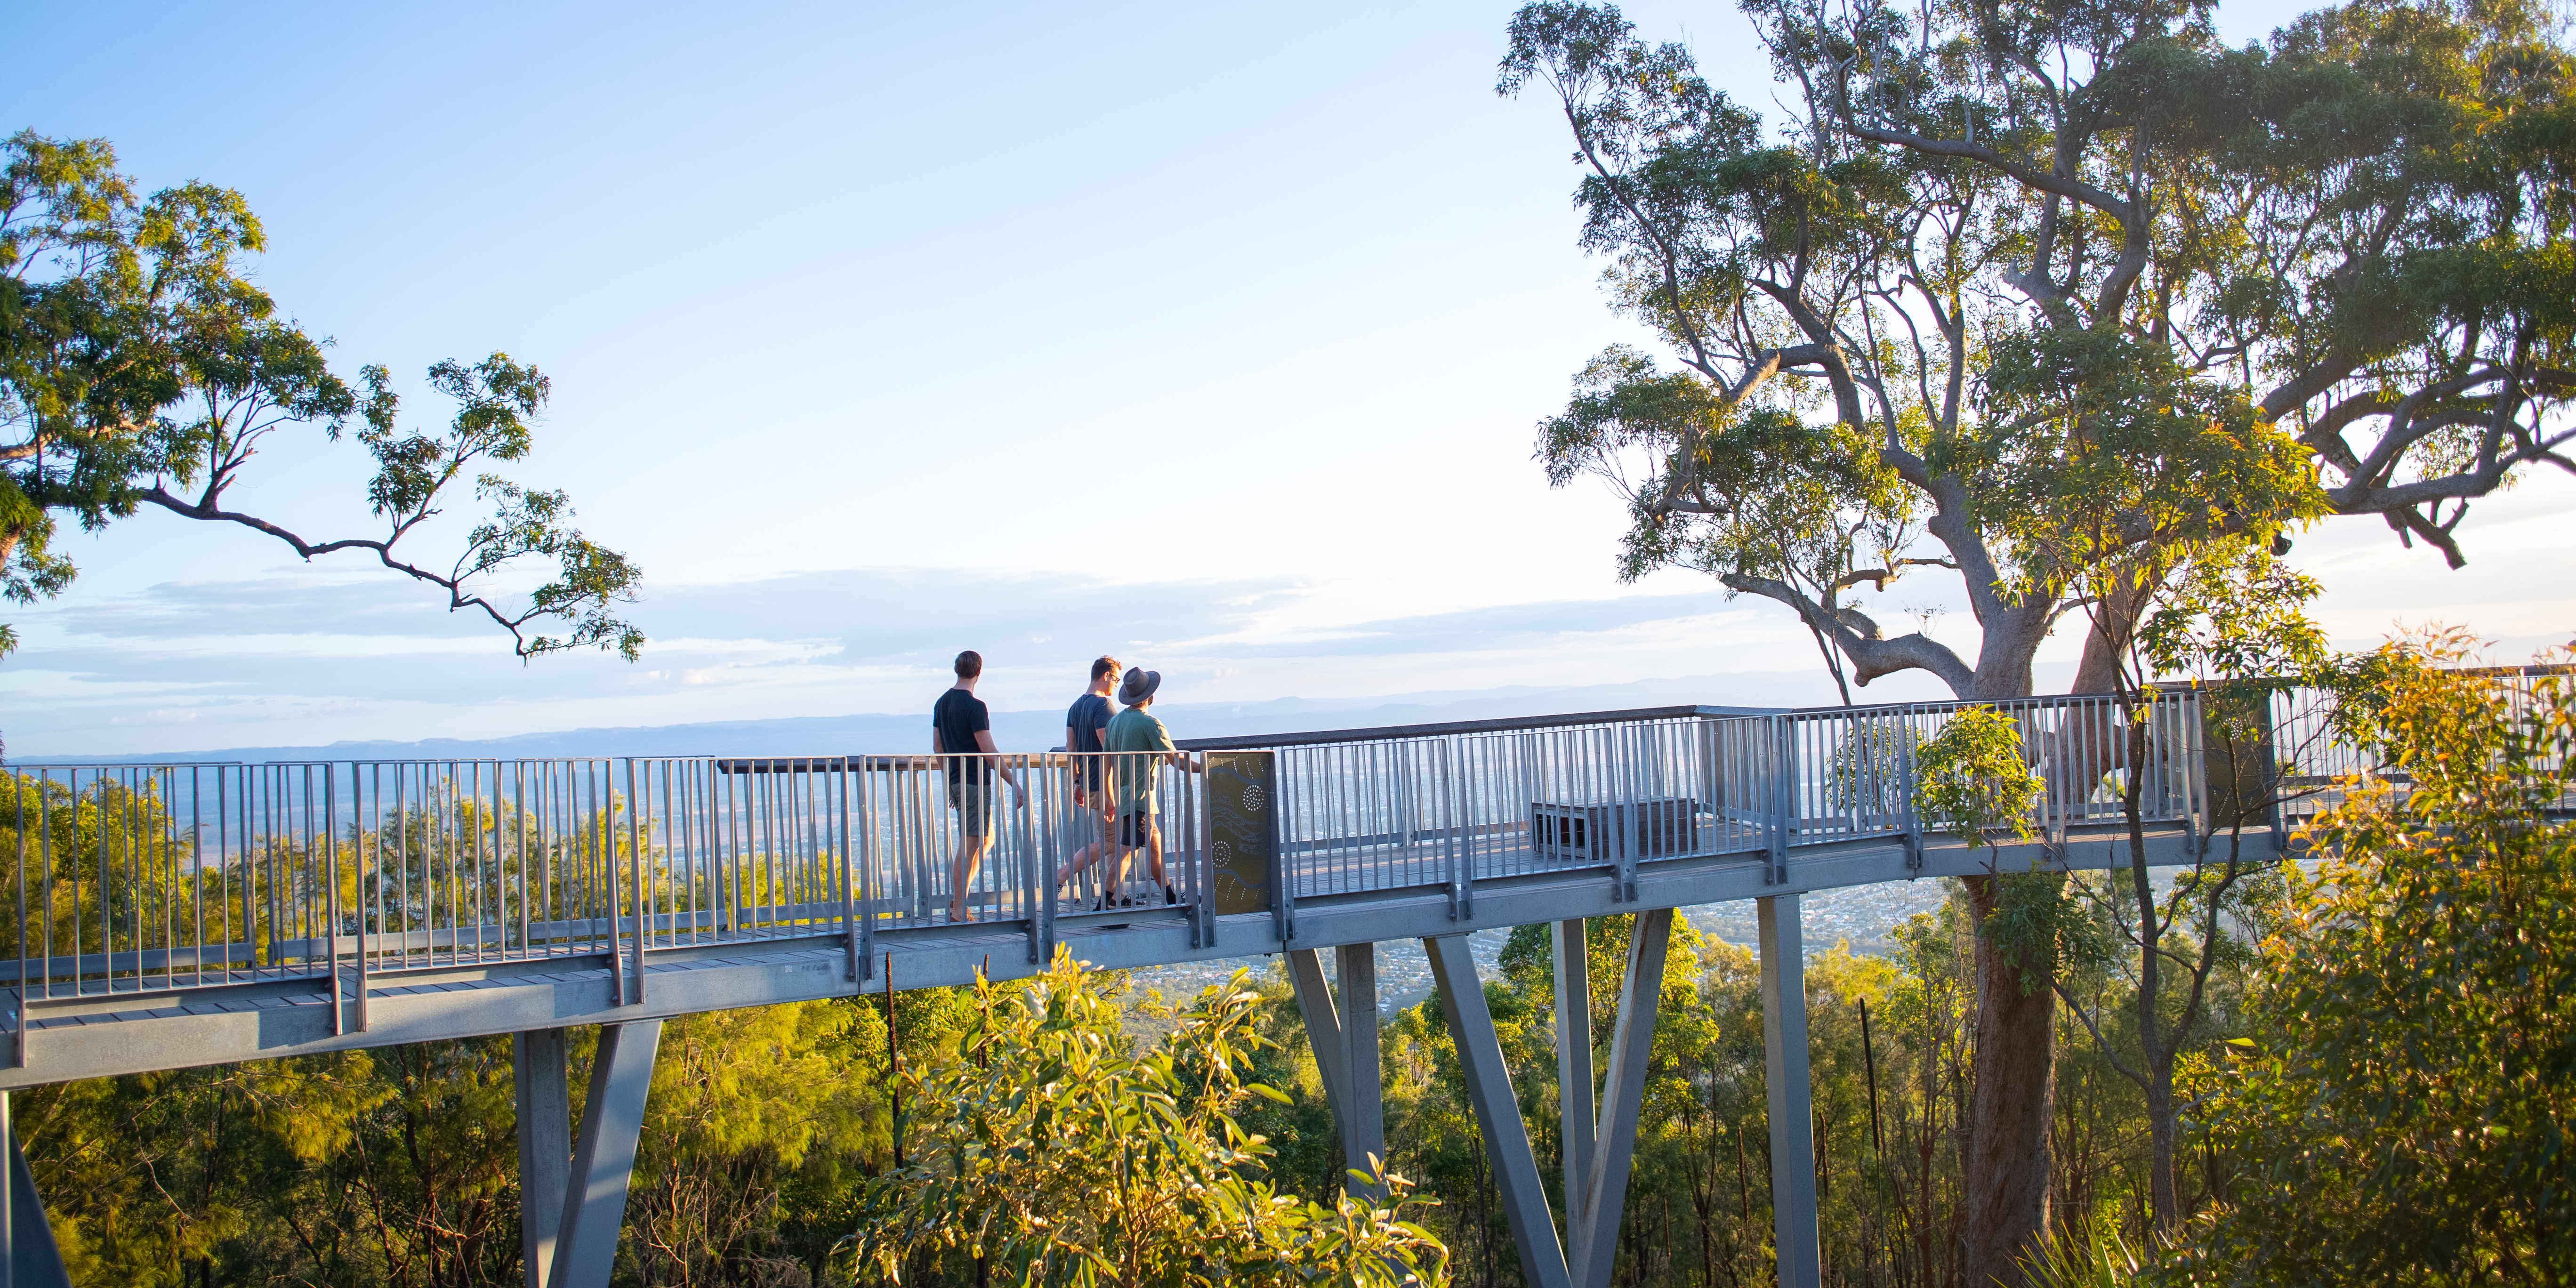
{"points": [[1135, 830], [974, 805]]}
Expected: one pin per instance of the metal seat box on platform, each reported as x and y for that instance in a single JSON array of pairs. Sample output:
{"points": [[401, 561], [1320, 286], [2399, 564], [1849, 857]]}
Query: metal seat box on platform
{"points": [[1608, 833]]}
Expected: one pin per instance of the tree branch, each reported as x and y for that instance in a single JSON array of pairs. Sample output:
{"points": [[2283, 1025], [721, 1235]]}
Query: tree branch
{"points": [[454, 585], [2045, 181], [2067, 996], [1858, 636]]}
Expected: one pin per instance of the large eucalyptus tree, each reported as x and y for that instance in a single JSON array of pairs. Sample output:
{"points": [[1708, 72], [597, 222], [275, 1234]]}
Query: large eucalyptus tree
{"points": [[2049, 299]]}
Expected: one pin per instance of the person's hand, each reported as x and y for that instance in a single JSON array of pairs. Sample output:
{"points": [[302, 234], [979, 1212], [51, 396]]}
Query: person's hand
{"points": [[1019, 797]]}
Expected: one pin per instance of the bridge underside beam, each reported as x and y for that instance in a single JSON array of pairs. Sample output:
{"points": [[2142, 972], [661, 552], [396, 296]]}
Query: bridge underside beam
{"points": [[1569, 954], [1599, 1146]]}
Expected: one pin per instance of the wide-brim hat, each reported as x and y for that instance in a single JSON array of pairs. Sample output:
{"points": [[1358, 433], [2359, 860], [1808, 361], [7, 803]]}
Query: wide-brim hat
{"points": [[1140, 685]]}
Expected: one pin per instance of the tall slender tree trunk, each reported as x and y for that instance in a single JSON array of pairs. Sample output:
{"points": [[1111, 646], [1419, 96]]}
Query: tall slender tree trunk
{"points": [[2012, 1069], [2015, 1077]]}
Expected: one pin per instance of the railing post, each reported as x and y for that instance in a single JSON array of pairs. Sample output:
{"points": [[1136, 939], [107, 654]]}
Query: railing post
{"points": [[856, 964], [1906, 743], [1453, 817], [2276, 776], [330, 927], [1283, 885], [1025, 867], [603, 836], [635, 881], [1784, 796]]}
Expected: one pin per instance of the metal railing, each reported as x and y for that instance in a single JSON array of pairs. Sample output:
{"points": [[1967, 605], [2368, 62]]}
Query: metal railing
{"points": [[161, 878], [1447, 807], [141, 879]]}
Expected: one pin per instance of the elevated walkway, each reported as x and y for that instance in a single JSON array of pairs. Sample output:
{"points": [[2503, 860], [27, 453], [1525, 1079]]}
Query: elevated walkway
{"points": [[175, 915], [121, 1032]]}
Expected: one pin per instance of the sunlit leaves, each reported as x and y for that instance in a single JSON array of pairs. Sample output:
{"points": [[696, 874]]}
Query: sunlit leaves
{"points": [[1974, 779], [1054, 1152], [2403, 1108]]}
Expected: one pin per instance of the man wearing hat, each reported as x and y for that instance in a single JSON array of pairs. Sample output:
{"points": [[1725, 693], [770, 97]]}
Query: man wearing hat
{"points": [[1147, 746]]}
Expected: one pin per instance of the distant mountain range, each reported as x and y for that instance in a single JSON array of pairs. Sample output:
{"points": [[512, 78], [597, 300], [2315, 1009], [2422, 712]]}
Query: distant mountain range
{"points": [[1040, 730]]}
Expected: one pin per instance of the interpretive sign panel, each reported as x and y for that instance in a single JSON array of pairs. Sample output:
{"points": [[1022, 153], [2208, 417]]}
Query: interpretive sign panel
{"points": [[1243, 833]]}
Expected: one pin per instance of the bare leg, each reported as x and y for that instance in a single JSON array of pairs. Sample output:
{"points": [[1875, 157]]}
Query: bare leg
{"points": [[961, 873], [1154, 852], [1113, 870], [1082, 858]]}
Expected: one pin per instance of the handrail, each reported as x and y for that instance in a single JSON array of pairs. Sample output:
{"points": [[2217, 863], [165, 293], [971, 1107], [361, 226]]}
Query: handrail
{"points": [[1505, 724]]}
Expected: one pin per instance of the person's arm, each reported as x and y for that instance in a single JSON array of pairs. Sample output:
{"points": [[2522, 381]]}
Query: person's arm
{"points": [[1173, 755], [984, 742]]}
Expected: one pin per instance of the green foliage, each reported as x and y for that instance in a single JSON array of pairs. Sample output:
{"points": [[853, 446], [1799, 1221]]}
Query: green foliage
{"points": [[2234, 615], [742, 1101], [2400, 1112], [1973, 778], [2095, 1257], [140, 364], [1051, 1153]]}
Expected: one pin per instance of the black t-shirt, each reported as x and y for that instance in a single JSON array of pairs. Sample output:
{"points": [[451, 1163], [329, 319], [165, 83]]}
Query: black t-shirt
{"points": [[1088, 716], [958, 717]]}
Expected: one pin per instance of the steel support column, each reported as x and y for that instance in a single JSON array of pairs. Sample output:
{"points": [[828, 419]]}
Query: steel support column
{"points": [[1364, 1143], [1592, 1213], [1498, 1115], [612, 1119], [1574, 1075], [28, 1257], [545, 1146], [1345, 1038], [1784, 1050]]}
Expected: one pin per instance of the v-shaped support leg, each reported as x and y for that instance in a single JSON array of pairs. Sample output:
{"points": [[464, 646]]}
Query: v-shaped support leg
{"points": [[580, 1201], [1599, 1145], [1575, 1081], [1592, 1213], [1345, 1038], [28, 1257], [1498, 1114]]}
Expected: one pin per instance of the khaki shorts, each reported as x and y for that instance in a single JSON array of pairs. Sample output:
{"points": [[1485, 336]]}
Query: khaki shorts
{"points": [[974, 805]]}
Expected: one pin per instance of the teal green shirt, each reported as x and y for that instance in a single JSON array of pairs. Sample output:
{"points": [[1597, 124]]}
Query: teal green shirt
{"points": [[1136, 730]]}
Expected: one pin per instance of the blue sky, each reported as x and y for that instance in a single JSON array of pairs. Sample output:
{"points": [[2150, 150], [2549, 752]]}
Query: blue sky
{"points": [[1213, 336]]}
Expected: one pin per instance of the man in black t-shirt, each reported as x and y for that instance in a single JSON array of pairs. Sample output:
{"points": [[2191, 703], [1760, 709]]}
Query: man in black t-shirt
{"points": [[960, 727], [1083, 724]]}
